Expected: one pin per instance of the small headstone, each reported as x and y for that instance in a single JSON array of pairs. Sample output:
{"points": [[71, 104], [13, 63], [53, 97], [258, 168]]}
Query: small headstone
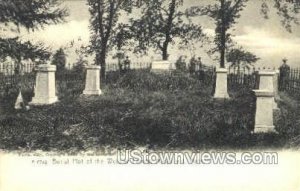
{"points": [[161, 66], [19, 104], [264, 111], [92, 81], [266, 82], [44, 90], [221, 84]]}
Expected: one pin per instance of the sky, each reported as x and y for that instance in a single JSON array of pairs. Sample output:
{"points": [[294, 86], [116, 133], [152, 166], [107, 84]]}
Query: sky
{"points": [[265, 38]]}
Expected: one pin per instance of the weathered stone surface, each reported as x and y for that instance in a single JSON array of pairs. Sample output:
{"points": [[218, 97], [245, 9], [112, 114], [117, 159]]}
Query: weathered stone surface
{"points": [[92, 81], [264, 111], [266, 82], [162, 66], [221, 83], [45, 92]]}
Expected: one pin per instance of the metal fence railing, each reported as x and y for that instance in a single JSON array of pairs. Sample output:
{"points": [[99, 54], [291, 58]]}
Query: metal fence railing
{"points": [[289, 81], [243, 77], [15, 77]]}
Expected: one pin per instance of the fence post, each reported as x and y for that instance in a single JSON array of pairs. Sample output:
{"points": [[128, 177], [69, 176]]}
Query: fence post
{"points": [[44, 92], [92, 81], [221, 83]]}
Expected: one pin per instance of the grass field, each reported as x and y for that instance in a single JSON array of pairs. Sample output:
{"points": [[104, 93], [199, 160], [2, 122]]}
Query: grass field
{"points": [[150, 110]]}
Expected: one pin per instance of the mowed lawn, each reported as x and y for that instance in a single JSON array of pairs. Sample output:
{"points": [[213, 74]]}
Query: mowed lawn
{"points": [[142, 109]]}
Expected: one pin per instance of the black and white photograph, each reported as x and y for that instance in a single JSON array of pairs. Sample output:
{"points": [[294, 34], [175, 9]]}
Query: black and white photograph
{"points": [[149, 95]]}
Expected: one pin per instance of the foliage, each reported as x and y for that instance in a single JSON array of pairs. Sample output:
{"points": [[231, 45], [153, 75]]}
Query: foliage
{"points": [[287, 10], [17, 50], [161, 23], [59, 59], [238, 57], [104, 24], [79, 65], [227, 12], [32, 15], [180, 63]]}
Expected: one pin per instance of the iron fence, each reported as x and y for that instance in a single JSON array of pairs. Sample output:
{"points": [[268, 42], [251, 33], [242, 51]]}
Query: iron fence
{"points": [[243, 77], [204, 73], [113, 66], [289, 81]]}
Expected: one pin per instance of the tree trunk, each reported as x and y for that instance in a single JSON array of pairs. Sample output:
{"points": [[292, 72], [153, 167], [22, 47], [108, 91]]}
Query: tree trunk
{"points": [[165, 52], [168, 39], [222, 61], [101, 61], [223, 36], [103, 65]]}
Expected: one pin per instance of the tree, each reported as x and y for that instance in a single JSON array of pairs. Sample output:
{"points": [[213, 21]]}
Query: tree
{"points": [[30, 14], [104, 20], [59, 59], [161, 22], [18, 50], [121, 39], [288, 10], [239, 57], [226, 12]]}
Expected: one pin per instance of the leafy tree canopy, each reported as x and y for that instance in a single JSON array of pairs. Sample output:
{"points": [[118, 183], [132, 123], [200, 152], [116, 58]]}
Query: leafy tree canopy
{"points": [[30, 14], [59, 59], [238, 57], [162, 22]]}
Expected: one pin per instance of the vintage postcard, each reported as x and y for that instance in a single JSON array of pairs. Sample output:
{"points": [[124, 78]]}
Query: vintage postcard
{"points": [[149, 95]]}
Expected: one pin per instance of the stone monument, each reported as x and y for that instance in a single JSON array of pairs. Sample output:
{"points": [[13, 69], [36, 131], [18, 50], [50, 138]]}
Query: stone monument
{"points": [[44, 92], [266, 82], [92, 81], [221, 83], [264, 112], [162, 66]]}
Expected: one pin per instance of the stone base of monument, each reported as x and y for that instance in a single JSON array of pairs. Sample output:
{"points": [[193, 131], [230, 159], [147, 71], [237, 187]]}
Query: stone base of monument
{"points": [[264, 112], [44, 92], [221, 84], [92, 81], [161, 66], [92, 92], [43, 100]]}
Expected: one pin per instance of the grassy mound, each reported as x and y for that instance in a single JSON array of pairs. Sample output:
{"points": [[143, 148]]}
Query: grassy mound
{"points": [[139, 109]]}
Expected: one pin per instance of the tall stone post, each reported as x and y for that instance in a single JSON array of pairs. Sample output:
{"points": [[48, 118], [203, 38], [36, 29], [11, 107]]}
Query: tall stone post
{"points": [[264, 111], [221, 83], [92, 81], [44, 92], [266, 82]]}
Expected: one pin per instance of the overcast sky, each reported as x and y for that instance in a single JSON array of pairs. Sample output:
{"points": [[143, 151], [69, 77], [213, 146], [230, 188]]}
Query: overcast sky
{"points": [[266, 38]]}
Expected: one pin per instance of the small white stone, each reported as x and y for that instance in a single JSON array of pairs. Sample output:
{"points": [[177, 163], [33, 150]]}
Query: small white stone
{"points": [[161, 66], [264, 111], [267, 80], [221, 83], [44, 90], [19, 101], [92, 82]]}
